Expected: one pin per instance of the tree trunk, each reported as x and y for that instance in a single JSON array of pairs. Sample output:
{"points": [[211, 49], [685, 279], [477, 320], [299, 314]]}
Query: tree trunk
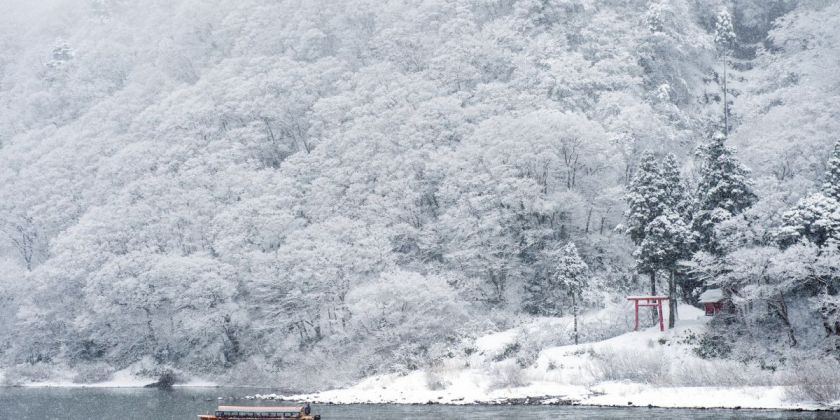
{"points": [[672, 301], [783, 314], [575, 311], [654, 314], [588, 218]]}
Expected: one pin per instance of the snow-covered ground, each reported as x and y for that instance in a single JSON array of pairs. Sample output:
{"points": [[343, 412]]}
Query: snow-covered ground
{"points": [[120, 379], [668, 375], [126, 378]]}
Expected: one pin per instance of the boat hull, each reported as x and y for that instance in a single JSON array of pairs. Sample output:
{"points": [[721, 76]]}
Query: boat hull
{"points": [[212, 417]]}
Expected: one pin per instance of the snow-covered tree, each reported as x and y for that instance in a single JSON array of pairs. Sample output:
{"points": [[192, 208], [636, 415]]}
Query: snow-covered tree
{"points": [[723, 191], [724, 40], [675, 194], [646, 200], [674, 62], [570, 277], [23, 233], [403, 314], [538, 298], [831, 183], [816, 218], [645, 197], [667, 241]]}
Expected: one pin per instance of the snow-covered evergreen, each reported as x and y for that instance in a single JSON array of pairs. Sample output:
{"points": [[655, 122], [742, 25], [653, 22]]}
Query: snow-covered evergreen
{"points": [[724, 190], [667, 241], [570, 277], [831, 184], [646, 199]]}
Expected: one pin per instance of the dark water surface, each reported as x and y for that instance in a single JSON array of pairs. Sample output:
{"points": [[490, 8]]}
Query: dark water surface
{"points": [[186, 403]]}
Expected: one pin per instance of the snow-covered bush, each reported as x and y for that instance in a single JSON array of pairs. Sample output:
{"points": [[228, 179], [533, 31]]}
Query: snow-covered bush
{"points": [[506, 374], [643, 366], [436, 378], [658, 367], [815, 380], [539, 333], [699, 372], [23, 373], [711, 345], [89, 373]]}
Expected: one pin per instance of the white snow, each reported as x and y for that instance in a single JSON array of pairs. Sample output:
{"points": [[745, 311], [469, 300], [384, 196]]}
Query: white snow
{"points": [[125, 378], [617, 393], [120, 379], [496, 342], [711, 295], [565, 373]]}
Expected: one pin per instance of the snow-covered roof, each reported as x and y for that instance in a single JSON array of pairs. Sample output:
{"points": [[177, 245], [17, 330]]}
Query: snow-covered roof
{"points": [[711, 295], [253, 409]]}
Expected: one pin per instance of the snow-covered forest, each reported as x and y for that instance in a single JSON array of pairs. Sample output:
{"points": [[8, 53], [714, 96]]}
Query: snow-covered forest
{"points": [[309, 192]]}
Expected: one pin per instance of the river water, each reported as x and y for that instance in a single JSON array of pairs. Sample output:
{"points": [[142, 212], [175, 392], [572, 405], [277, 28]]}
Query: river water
{"points": [[186, 403]]}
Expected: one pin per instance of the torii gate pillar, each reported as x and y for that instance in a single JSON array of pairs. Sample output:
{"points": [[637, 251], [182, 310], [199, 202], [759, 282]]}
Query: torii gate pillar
{"points": [[650, 302]]}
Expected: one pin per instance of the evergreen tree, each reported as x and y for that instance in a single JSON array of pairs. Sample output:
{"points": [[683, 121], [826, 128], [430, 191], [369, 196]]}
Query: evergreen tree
{"points": [[831, 185], [645, 198], [666, 242], [724, 40], [569, 277], [538, 296], [724, 190], [678, 201], [676, 198], [816, 218]]}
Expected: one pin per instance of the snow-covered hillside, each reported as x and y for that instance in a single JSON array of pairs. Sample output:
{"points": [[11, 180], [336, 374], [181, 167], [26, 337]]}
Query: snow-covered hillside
{"points": [[641, 368], [308, 193]]}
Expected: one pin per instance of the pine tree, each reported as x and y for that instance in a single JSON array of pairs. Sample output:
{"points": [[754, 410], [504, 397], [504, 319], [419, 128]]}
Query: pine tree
{"points": [[645, 200], [677, 202], [538, 296], [724, 31], [724, 190], [831, 185], [816, 218], [676, 198], [724, 40], [666, 242], [569, 276]]}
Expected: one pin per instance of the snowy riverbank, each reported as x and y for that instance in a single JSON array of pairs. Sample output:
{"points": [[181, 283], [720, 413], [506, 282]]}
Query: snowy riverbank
{"points": [[642, 368], [126, 378]]}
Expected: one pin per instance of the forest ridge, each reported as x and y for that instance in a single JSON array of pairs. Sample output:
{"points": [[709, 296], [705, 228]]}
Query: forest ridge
{"points": [[259, 189]]}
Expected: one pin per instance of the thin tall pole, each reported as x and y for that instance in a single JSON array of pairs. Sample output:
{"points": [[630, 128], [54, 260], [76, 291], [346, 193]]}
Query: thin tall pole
{"points": [[637, 315], [661, 320]]}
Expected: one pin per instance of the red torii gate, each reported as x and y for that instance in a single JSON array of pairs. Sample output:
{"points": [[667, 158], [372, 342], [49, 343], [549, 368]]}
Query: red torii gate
{"points": [[651, 302]]}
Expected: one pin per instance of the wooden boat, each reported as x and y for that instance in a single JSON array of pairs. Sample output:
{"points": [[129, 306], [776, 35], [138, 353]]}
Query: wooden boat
{"points": [[233, 412]]}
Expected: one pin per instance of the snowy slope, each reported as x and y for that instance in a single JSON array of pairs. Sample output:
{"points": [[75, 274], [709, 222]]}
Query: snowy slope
{"points": [[570, 374]]}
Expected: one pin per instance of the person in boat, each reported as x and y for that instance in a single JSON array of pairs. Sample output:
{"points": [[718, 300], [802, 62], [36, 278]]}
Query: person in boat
{"points": [[307, 409]]}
